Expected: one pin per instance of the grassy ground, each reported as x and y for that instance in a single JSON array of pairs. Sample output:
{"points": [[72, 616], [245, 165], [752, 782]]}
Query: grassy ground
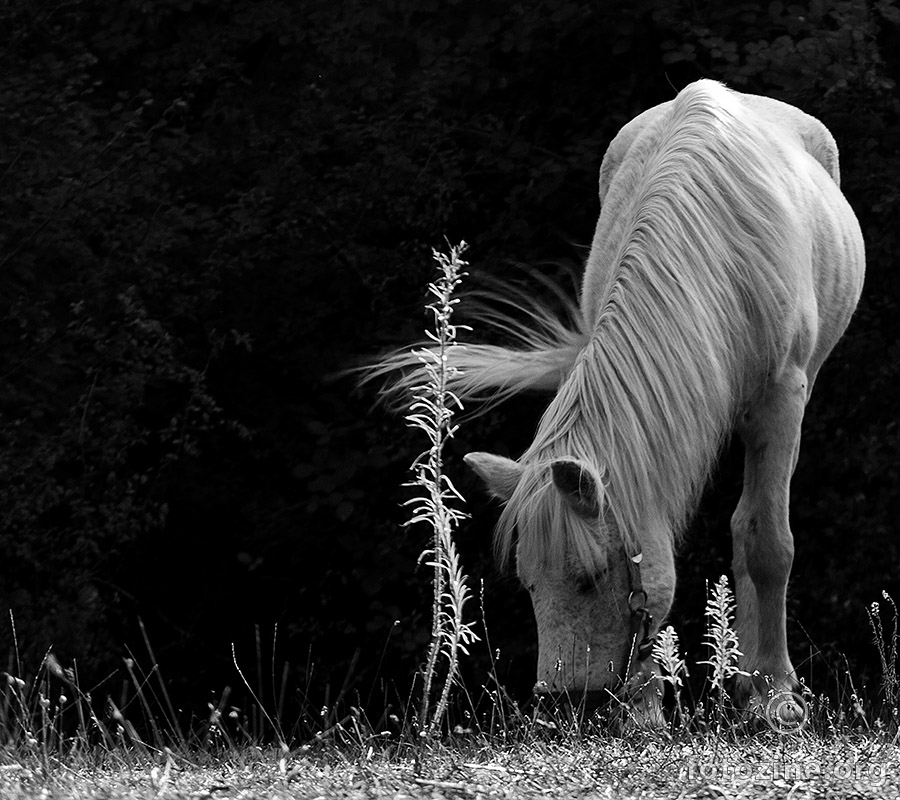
{"points": [[759, 765], [55, 743]]}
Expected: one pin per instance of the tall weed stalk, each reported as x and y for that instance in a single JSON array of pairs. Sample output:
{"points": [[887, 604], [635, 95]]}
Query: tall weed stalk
{"points": [[888, 655], [722, 640], [666, 653], [432, 411]]}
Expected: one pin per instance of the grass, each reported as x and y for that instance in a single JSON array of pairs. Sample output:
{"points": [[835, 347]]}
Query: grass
{"points": [[654, 766]]}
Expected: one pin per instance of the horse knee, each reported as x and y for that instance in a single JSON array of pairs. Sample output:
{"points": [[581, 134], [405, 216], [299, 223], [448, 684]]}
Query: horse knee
{"points": [[769, 557], [742, 518]]}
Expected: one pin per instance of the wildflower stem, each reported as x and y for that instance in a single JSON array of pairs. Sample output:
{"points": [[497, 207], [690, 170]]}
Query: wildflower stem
{"points": [[432, 411]]}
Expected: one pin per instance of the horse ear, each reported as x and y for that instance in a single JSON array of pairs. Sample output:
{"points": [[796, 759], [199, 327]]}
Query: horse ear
{"points": [[501, 475], [577, 486]]}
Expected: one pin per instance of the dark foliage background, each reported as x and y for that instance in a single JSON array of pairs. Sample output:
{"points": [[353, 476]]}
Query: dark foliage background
{"points": [[209, 206]]}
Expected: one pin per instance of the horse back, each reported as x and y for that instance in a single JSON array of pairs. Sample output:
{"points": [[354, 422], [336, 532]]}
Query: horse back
{"points": [[803, 129], [826, 254]]}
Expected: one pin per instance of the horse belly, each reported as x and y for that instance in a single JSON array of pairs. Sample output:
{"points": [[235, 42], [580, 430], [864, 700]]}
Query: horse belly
{"points": [[838, 263]]}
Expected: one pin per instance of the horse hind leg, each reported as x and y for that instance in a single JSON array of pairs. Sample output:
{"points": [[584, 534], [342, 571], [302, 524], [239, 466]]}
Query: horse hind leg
{"points": [[762, 541]]}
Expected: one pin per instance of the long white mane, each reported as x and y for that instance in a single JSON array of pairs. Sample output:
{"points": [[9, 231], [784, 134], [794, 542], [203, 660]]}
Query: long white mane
{"points": [[698, 287]]}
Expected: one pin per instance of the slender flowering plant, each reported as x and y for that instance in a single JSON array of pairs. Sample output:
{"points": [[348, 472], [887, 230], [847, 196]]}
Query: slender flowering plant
{"points": [[888, 655], [721, 637], [666, 653], [432, 411]]}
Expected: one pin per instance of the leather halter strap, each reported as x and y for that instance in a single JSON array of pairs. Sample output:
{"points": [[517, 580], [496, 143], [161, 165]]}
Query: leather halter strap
{"points": [[641, 619]]}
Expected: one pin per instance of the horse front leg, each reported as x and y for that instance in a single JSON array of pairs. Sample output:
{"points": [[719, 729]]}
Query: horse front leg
{"points": [[762, 540]]}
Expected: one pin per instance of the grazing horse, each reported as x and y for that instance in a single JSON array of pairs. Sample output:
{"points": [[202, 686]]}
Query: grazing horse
{"points": [[725, 265]]}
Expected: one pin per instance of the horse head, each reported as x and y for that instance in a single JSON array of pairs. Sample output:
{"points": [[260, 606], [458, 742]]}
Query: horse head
{"points": [[598, 596]]}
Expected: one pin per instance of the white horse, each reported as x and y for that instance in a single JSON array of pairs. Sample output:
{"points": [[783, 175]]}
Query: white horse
{"points": [[725, 265]]}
